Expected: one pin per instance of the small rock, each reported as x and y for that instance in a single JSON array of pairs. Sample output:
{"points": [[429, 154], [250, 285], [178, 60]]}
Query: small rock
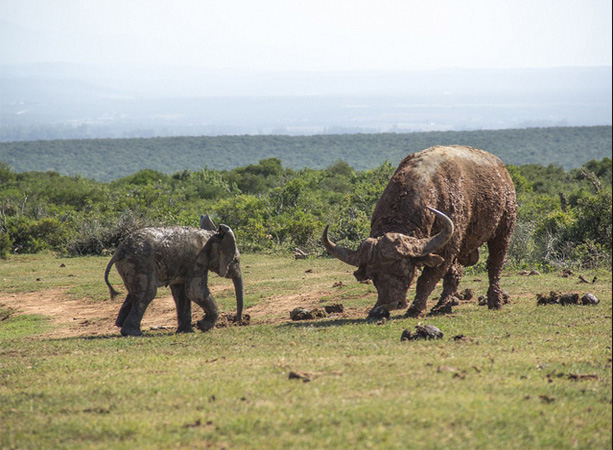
{"points": [[336, 308], [589, 299], [467, 295], [422, 332], [534, 272], [378, 313], [552, 299], [300, 314], [547, 399], [569, 299], [304, 376], [557, 298]]}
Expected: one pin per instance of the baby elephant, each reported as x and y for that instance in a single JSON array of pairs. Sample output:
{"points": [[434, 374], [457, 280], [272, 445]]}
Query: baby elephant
{"points": [[179, 257]]}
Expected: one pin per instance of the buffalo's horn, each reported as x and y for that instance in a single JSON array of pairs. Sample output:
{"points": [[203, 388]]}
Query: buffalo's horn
{"points": [[437, 242], [350, 257]]}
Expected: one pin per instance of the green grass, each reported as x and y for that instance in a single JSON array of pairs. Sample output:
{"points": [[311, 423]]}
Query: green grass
{"points": [[524, 377]]}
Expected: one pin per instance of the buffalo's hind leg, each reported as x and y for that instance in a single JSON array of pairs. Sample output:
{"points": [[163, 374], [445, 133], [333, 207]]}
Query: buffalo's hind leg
{"points": [[497, 247], [184, 308]]}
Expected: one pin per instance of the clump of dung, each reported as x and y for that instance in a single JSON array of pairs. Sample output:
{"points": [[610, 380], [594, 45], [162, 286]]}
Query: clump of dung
{"points": [[422, 332], [229, 320], [559, 298]]}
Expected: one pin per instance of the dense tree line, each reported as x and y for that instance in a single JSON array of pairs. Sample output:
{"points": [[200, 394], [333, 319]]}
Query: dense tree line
{"points": [[564, 216], [110, 159]]}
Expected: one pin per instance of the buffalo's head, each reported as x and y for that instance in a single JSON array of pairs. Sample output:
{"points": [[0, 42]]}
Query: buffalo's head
{"points": [[391, 260]]}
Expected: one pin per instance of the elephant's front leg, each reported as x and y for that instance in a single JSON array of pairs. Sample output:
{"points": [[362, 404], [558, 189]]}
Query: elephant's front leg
{"points": [[211, 313], [198, 292], [184, 308]]}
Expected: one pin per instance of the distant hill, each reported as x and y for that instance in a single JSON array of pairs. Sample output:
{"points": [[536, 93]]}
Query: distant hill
{"points": [[108, 159], [86, 101]]}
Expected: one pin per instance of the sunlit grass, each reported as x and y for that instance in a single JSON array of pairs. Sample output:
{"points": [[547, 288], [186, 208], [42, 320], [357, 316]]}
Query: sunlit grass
{"points": [[524, 377]]}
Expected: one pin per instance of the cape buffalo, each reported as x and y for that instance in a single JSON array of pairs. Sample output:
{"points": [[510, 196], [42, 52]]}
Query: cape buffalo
{"points": [[472, 195]]}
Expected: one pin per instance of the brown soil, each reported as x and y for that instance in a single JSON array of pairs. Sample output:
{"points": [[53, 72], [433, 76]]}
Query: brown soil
{"points": [[82, 317]]}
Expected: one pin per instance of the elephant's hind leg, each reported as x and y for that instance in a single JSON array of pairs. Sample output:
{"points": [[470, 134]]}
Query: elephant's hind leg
{"points": [[184, 308], [124, 311], [140, 300]]}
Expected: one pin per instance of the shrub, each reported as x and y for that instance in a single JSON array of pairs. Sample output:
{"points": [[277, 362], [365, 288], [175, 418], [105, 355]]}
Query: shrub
{"points": [[32, 236], [5, 244]]}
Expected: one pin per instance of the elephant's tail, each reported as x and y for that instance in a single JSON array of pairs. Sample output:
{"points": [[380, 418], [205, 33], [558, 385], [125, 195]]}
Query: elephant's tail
{"points": [[112, 290]]}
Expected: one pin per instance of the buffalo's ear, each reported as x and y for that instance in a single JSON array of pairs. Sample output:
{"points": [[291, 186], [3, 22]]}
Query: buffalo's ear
{"points": [[206, 223], [361, 274], [430, 260]]}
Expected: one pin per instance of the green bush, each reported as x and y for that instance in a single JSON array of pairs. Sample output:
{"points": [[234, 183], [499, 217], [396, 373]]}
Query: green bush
{"points": [[32, 236], [5, 244], [564, 216]]}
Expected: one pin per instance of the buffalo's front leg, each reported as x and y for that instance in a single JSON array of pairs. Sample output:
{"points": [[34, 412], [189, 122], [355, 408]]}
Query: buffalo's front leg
{"points": [[425, 285], [451, 282], [184, 308]]}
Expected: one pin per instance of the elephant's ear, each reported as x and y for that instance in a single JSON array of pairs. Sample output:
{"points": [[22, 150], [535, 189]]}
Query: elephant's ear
{"points": [[206, 223], [229, 255]]}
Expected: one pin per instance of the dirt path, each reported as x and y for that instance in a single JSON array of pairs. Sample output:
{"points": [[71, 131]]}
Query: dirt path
{"points": [[83, 317]]}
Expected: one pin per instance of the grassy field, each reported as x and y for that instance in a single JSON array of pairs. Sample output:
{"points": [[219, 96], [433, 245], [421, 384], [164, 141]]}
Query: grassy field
{"points": [[525, 377]]}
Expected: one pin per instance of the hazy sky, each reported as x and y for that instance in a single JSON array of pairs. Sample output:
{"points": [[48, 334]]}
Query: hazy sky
{"points": [[318, 35]]}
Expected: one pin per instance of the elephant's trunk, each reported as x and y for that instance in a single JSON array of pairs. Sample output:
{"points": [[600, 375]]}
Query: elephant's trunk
{"points": [[238, 289]]}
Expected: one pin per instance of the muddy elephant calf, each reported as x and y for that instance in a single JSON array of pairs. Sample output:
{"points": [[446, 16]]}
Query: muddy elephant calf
{"points": [[179, 257]]}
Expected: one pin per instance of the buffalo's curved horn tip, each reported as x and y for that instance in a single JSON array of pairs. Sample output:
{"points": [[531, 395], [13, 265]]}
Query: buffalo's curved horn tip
{"points": [[437, 242], [350, 257]]}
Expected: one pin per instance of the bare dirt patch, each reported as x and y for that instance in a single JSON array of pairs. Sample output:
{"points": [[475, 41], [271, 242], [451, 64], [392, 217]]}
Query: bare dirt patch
{"points": [[83, 317]]}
